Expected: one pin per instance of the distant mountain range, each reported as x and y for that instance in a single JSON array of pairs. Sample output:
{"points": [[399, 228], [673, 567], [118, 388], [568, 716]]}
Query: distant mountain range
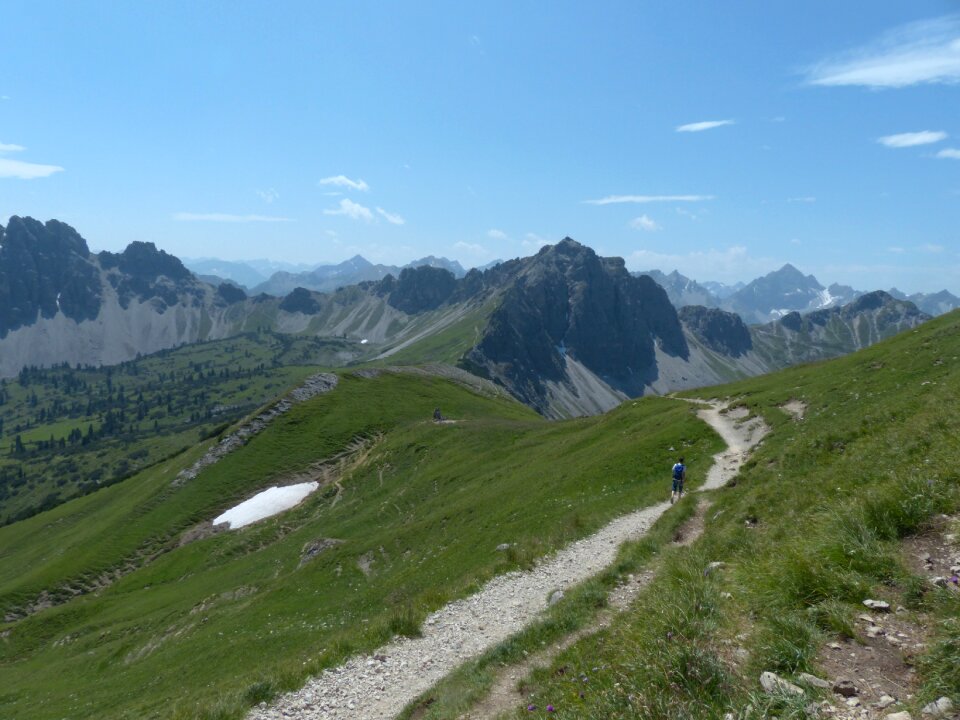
{"points": [[780, 292], [565, 331], [321, 278]]}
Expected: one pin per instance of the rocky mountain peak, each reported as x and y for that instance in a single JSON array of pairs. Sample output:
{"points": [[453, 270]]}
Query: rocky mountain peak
{"points": [[144, 261], [567, 303], [45, 268]]}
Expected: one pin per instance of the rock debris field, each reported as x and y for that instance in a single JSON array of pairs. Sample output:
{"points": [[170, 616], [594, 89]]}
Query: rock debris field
{"points": [[380, 685]]}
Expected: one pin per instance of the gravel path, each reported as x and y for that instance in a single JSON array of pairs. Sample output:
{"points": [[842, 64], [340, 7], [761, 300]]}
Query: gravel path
{"points": [[380, 685]]}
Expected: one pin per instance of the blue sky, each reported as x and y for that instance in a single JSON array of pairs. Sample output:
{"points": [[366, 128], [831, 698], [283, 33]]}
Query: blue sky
{"points": [[721, 139]]}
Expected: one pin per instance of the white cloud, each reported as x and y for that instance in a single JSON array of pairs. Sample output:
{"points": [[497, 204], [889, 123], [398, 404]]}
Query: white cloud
{"points": [[646, 223], [932, 249], [927, 51], [496, 234], [472, 249], [795, 241], [226, 218], [5, 147], [331, 233], [613, 199], [896, 250], [912, 139], [952, 153], [344, 181], [704, 125], [802, 199], [390, 217], [268, 196], [352, 210], [532, 241], [729, 265], [26, 170]]}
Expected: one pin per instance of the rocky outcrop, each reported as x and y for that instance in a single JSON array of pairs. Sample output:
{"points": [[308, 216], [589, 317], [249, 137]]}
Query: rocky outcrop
{"points": [[45, 269], [568, 304], [420, 289], [142, 273], [720, 331], [300, 300]]}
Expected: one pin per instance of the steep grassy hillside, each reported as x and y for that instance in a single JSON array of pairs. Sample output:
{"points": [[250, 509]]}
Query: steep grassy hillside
{"points": [[67, 431], [411, 517], [814, 525]]}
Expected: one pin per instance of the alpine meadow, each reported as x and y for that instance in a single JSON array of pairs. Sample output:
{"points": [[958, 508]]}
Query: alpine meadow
{"points": [[435, 362]]}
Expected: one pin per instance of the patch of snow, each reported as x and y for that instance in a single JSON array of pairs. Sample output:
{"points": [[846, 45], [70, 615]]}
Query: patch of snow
{"points": [[266, 504], [825, 299], [364, 341], [58, 301]]}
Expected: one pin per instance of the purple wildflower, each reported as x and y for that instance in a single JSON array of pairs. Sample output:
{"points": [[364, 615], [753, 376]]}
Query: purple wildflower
{"points": [[549, 708], [531, 707]]}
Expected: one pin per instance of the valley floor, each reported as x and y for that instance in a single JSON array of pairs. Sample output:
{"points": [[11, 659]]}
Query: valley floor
{"points": [[383, 683]]}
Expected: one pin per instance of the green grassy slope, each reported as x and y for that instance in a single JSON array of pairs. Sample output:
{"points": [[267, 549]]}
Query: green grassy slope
{"points": [[811, 528], [69, 431], [209, 627]]}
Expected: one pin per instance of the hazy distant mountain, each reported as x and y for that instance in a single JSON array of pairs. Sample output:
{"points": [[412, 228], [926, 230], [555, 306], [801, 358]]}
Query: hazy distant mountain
{"points": [[682, 290], [720, 290], [783, 291], [931, 303], [327, 278], [239, 273], [439, 262]]}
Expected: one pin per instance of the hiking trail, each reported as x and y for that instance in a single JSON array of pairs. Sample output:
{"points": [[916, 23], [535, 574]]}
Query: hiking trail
{"points": [[379, 685]]}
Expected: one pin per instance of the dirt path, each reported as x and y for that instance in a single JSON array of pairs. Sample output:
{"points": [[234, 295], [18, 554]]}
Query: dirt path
{"points": [[381, 684]]}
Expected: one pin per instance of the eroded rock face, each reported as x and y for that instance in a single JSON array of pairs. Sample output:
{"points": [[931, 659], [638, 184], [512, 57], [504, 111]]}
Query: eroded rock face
{"points": [[422, 288], [723, 332], [45, 268], [568, 301], [300, 300], [142, 272]]}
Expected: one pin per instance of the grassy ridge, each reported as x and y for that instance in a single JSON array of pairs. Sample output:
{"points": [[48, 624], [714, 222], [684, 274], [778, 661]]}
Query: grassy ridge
{"points": [[811, 528], [228, 620]]}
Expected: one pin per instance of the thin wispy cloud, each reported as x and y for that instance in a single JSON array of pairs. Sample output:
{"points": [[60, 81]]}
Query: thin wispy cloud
{"points": [[614, 199], [344, 181], [921, 52], [802, 199], [730, 264], [912, 139], [227, 218], [932, 249], [896, 250], [473, 249], [26, 170], [7, 147], [704, 125], [496, 234], [352, 210], [268, 196], [532, 241], [390, 217], [645, 223], [949, 153]]}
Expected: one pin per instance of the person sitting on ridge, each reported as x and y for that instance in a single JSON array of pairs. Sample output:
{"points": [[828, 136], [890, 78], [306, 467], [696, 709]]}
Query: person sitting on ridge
{"points": [[679, 475], [437, 417]]}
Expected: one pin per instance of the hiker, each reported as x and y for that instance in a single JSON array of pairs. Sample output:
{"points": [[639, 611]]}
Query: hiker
{"points": [[679, 475], [437, 417]]}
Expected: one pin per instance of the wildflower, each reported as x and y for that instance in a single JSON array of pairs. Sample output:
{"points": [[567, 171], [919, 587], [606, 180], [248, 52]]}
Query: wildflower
{"points": [[531, 707], [550, 708]]}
